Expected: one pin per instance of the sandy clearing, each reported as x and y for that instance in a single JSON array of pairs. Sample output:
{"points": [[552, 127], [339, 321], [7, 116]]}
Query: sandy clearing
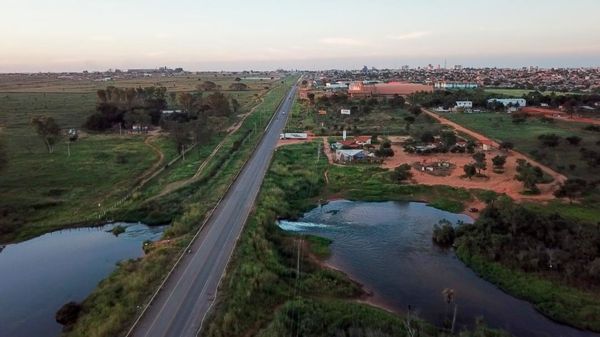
{"points": [[559, 115]]}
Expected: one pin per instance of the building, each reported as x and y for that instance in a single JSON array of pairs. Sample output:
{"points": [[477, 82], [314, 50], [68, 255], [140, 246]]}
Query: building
{"points": [[338, 86], [345, 111], [464, 105], [513, 102], [360, 89], [443, 85], [349, 155]]}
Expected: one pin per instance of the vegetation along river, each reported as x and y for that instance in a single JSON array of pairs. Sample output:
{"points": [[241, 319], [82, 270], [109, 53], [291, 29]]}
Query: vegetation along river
{"points": [[387, 247]]}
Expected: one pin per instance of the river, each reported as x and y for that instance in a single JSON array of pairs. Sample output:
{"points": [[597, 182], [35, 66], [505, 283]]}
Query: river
{"points": [[387, 247], [38, 276]]}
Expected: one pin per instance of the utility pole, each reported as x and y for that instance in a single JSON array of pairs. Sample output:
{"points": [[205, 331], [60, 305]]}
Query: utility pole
{"points": [[69, 148]]}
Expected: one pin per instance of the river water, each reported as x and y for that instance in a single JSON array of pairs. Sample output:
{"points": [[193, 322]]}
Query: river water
{"points": [[38, 276], [387, 247]]}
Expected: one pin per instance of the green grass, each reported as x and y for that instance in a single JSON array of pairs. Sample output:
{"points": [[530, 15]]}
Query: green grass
{"points": [[41, 192], [564, 304]]}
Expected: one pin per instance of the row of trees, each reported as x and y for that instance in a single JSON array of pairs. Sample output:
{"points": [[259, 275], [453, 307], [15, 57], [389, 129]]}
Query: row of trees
{"points": [[142, 105]]}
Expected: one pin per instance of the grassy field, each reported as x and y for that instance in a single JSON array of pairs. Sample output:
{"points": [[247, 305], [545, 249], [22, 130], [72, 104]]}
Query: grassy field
{"points": [[111, 308], [41, 192], [521, 92], [382, 120], [80, 83]]}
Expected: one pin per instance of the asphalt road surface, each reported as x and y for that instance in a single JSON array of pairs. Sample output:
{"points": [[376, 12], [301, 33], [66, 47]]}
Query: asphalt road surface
{"points": [[180, 307]]}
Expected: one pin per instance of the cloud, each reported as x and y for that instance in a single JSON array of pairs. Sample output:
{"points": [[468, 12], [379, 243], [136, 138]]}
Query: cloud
{"points": [[341, 41], [409, 36]]}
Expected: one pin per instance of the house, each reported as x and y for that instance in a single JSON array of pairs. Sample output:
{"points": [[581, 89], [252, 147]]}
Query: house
{"points": [[345, 111], [322, 112], [349, 155]]}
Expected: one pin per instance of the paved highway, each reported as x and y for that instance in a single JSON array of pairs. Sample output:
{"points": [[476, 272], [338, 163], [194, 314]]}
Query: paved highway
{"points": [[180, 307]]}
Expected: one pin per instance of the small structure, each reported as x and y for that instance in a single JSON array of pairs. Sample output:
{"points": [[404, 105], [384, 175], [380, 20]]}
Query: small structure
{"points": [[322, 112], [440, 168], [346, 156], [345, 111], [465, 105], [293, 135], [487, 145]]}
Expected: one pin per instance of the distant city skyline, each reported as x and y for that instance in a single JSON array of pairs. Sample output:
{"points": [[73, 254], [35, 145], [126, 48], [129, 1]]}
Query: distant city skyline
{"points": [[66, 35]]}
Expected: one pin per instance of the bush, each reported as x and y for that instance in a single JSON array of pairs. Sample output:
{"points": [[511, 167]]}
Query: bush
{"points": [[402, 173], [443, 233], [67, 315]]}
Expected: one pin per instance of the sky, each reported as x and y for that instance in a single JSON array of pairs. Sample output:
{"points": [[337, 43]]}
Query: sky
{"points": [[76, 35]]}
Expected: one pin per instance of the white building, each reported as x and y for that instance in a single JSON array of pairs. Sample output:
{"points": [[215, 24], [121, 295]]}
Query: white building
{"points": [[514, 102], [454, 85], [464, 104], [345, 111]]}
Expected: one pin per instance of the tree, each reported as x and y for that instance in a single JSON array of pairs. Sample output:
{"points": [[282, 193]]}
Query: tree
{"points": [[311, 97], [218, 105], [402, 173], [470, 170], [499, 161], [397, 101], [48, 130], [186, 100], [574, 140], [235, 105], [443, 233], [549, 140], [415, 110], [506, 146], [67, 315], [385, 149], [480, 163], [572, 188], [238, 87], [207, 86], [529, 175], [427, 137], [409, 121], [448, 138], [181, 134]]}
